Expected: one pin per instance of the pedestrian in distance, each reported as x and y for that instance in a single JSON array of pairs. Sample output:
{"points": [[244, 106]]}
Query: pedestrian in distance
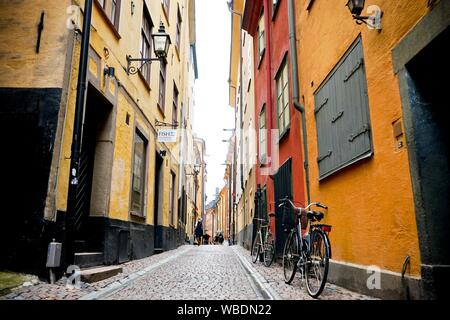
{"points": [[206, 238], [198, 232]]}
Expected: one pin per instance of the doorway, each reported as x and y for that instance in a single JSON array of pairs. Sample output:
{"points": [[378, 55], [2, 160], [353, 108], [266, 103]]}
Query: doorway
{"points": [[158, 200], [284, 217], [428, 141], [95, 161]]}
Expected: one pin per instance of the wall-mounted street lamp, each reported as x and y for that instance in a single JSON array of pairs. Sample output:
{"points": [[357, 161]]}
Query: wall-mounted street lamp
{"points": [[109, 72], [161, 43], [373, 22], [195, 170]]}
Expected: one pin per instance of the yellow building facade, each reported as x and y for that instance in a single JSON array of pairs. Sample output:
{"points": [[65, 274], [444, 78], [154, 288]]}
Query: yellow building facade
{"points": [[241, 76], [132, 200]]}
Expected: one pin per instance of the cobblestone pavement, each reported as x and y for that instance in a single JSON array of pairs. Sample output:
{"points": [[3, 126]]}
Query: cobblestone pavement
{"points": [[212, 272], [296, 290], [206, 272], [59, 291]]}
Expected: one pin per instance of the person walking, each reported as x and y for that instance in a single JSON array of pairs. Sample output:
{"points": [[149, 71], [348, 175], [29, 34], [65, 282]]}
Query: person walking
{"points": [[198, 232]]}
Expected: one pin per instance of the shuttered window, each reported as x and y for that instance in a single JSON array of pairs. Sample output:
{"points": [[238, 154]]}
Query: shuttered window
{"points": [[342, 114]]}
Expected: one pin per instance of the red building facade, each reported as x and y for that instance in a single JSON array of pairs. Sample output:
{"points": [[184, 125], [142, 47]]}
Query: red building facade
{"points": [[281, 172]]}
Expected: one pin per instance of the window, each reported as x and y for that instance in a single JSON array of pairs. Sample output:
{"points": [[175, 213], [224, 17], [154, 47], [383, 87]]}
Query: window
{"points": [[112, 10], [146, 44], [342, 114], [309, 4], [175, 104], [172, 198], [275, 5], [166, 5], [262, 136], [178, 39], [162, 86], [249, 66], [261, 37], [246, 156], [282, 85], [139, 169]]}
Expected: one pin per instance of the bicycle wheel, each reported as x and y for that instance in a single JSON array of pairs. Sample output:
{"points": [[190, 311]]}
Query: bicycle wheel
{"points": [[290, 257], [318, 262], [256, 249], [269, 251]]}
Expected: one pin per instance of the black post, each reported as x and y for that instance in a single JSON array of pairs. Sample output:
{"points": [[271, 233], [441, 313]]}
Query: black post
{"points": [[77, 134], [195, 202], [230, 202]]}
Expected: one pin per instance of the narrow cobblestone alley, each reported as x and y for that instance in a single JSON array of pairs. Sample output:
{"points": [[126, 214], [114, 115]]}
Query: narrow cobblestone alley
{"points": [[219, 273], [208, 272]]}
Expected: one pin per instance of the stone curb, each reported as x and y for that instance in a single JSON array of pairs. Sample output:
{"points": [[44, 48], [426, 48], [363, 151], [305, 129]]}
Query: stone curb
{"points": [[261, 282]]}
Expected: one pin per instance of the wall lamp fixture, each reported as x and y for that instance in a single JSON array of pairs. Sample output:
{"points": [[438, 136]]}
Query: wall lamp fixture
{"points": [[109, 71], [162, 153], [161, 43], [373, 21], [195, 170]]}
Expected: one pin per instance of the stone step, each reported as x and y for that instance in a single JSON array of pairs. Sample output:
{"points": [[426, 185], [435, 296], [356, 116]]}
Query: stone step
{"points": [[158, 250], [88, 259], [96, 274]]}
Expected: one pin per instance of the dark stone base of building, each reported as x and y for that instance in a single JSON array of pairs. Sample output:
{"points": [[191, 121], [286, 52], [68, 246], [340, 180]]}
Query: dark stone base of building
{"points": [[28, 121], [122, 241], [392, 286], [245, 237]]}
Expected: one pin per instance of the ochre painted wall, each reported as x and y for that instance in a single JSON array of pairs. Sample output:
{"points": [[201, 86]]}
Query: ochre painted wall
{"points": [[371, 202], [21, 66], [136, 99]]}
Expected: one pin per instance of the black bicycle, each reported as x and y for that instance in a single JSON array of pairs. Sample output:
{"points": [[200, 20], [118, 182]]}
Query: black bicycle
{"points": [[309, 254], [264, 243]]}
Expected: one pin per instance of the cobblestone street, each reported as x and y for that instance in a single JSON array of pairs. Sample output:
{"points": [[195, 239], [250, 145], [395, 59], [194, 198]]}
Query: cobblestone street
{"points": [[210, 272], [206, 272]]}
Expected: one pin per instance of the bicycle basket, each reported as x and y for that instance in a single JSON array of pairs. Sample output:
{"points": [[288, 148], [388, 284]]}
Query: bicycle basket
{"points": [[288, 220]]}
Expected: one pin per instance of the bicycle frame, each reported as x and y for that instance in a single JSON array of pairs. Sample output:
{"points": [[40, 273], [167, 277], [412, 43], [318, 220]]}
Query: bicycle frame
{"points": [[262, 241], [297, 230]]}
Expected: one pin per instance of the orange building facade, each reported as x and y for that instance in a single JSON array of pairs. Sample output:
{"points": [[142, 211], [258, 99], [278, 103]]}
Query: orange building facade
{"points": [[378, 157]]}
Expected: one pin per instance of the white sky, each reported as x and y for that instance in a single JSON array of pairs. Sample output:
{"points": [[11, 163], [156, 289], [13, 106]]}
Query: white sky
{"points": [[212, 113]]}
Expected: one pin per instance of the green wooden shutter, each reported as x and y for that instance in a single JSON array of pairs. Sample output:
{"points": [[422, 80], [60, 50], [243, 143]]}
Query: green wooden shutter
{"points": [[342, 114]]}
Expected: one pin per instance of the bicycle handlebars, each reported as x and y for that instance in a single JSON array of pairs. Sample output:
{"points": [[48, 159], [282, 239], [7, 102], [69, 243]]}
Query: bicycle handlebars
{"points": [[286, 199]]}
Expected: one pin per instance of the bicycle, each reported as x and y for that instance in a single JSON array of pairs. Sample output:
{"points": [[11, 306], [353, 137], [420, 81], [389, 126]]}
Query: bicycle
{"points": [[265, 243], [312, 256]]}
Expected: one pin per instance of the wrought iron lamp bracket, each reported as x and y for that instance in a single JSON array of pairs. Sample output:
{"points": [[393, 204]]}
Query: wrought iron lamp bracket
{"points": [[165, 124], [131, 69]]}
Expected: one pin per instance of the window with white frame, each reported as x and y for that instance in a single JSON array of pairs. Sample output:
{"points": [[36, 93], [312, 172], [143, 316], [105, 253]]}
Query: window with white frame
{"points": [[146, 44], [282, 87], [139, 173], [262, 136], [261, 37]]}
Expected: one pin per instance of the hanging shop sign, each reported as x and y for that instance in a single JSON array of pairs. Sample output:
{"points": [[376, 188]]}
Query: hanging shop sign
{"points": [[167, 135]]}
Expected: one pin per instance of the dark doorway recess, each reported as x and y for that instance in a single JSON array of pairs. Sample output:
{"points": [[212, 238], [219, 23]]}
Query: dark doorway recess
{"points": [[159, 161], [284, 217], [428, 89], [95, 129]]}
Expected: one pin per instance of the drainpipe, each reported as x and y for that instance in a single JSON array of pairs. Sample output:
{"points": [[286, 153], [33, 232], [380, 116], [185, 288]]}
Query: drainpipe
{"points": [[77, 133], [296, 92]]}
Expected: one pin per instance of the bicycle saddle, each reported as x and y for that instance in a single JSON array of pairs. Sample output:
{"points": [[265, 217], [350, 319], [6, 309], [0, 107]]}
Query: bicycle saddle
{"points": [[315, 215]]}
